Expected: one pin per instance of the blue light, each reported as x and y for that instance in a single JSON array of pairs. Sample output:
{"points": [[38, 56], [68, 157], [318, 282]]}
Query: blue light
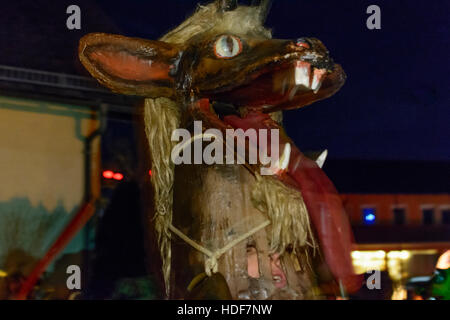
{"points": [[369, 216]]}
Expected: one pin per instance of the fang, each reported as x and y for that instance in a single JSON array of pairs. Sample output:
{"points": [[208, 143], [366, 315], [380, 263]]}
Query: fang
{"points": [[317, 79], [302, 73]]}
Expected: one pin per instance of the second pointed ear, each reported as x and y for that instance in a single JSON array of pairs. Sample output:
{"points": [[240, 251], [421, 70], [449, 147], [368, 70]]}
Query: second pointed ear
{"points": [[130, 65]]}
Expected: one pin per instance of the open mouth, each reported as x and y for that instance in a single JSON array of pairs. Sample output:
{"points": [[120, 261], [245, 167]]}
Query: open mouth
{"points": [[288, 85], [291, 85]]}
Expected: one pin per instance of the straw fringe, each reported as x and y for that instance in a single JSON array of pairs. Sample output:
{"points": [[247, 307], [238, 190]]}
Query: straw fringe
{"points": [[161, 118], [287, 212]]}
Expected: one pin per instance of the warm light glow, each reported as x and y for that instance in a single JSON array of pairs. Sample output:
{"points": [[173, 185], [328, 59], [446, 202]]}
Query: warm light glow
{"points": [[396, 262], [444, 261], [150, 172], [364, 261], [3, 274], [399, 293], [367, 255], [118, 176], [108, 174], [403, 255]]}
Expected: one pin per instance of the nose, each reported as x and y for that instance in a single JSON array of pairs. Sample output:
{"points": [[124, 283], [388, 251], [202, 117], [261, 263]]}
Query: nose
{"points": [[303, 43], [321, 58]]}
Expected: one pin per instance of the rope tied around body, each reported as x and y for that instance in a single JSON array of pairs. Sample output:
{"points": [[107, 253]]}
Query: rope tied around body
{"points": [[211, 263]]}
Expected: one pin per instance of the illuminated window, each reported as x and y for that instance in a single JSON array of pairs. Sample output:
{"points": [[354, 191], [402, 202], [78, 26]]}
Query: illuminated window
{"points": [[428, 216], [399, 215], [364, 261], [446, 216], [369, 216]]}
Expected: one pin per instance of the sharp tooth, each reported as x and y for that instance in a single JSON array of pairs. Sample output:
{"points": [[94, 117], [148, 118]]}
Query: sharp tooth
{"points": [[317, 79], [293, 92], [281, 164], [285, 157], [321, 159], [315, 86], [302, 73]]}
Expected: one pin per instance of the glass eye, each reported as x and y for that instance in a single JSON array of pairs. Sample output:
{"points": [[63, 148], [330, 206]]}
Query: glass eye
{"points": [[227, 47]]}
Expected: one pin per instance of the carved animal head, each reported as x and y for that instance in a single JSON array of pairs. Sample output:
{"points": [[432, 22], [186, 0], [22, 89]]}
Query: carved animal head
{"points": [[222, 53]]}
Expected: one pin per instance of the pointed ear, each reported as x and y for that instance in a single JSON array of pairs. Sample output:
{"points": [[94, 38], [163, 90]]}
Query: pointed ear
{"points": [[130, 65]]}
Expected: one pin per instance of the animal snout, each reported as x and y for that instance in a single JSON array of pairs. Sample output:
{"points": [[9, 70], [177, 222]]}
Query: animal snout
{"points": [[303, 43], [312, 51]]}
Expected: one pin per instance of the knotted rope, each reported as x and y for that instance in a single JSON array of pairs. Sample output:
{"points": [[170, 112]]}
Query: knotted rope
{"points": [[211, 263]]}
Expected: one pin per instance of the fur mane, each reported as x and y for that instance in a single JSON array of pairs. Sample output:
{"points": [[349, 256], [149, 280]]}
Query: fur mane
{"points": [[209, 19]]}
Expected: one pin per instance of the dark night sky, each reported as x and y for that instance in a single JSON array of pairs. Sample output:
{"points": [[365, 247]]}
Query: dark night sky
{"points": [[395, 102]]}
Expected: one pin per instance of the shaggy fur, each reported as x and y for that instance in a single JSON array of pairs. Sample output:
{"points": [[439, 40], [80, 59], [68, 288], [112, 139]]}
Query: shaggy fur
{"points": [[209, 19], [161, 118], [287, 212]]}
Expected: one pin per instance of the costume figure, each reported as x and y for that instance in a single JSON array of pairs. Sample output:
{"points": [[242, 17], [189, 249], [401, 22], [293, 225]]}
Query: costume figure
{"points": [[242, 229]]}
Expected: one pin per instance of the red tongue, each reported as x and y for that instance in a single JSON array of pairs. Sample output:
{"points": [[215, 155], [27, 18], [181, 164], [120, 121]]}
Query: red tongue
{"points": [[321, 198], [253, 120], [328, 216]]}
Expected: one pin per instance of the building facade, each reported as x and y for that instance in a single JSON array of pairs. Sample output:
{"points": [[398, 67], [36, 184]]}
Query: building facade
{"points": [[400, 215]]}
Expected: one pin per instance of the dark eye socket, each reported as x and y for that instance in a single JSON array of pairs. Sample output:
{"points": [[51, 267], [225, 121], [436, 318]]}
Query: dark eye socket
{"points": [[303, 42], [227, 46]]}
